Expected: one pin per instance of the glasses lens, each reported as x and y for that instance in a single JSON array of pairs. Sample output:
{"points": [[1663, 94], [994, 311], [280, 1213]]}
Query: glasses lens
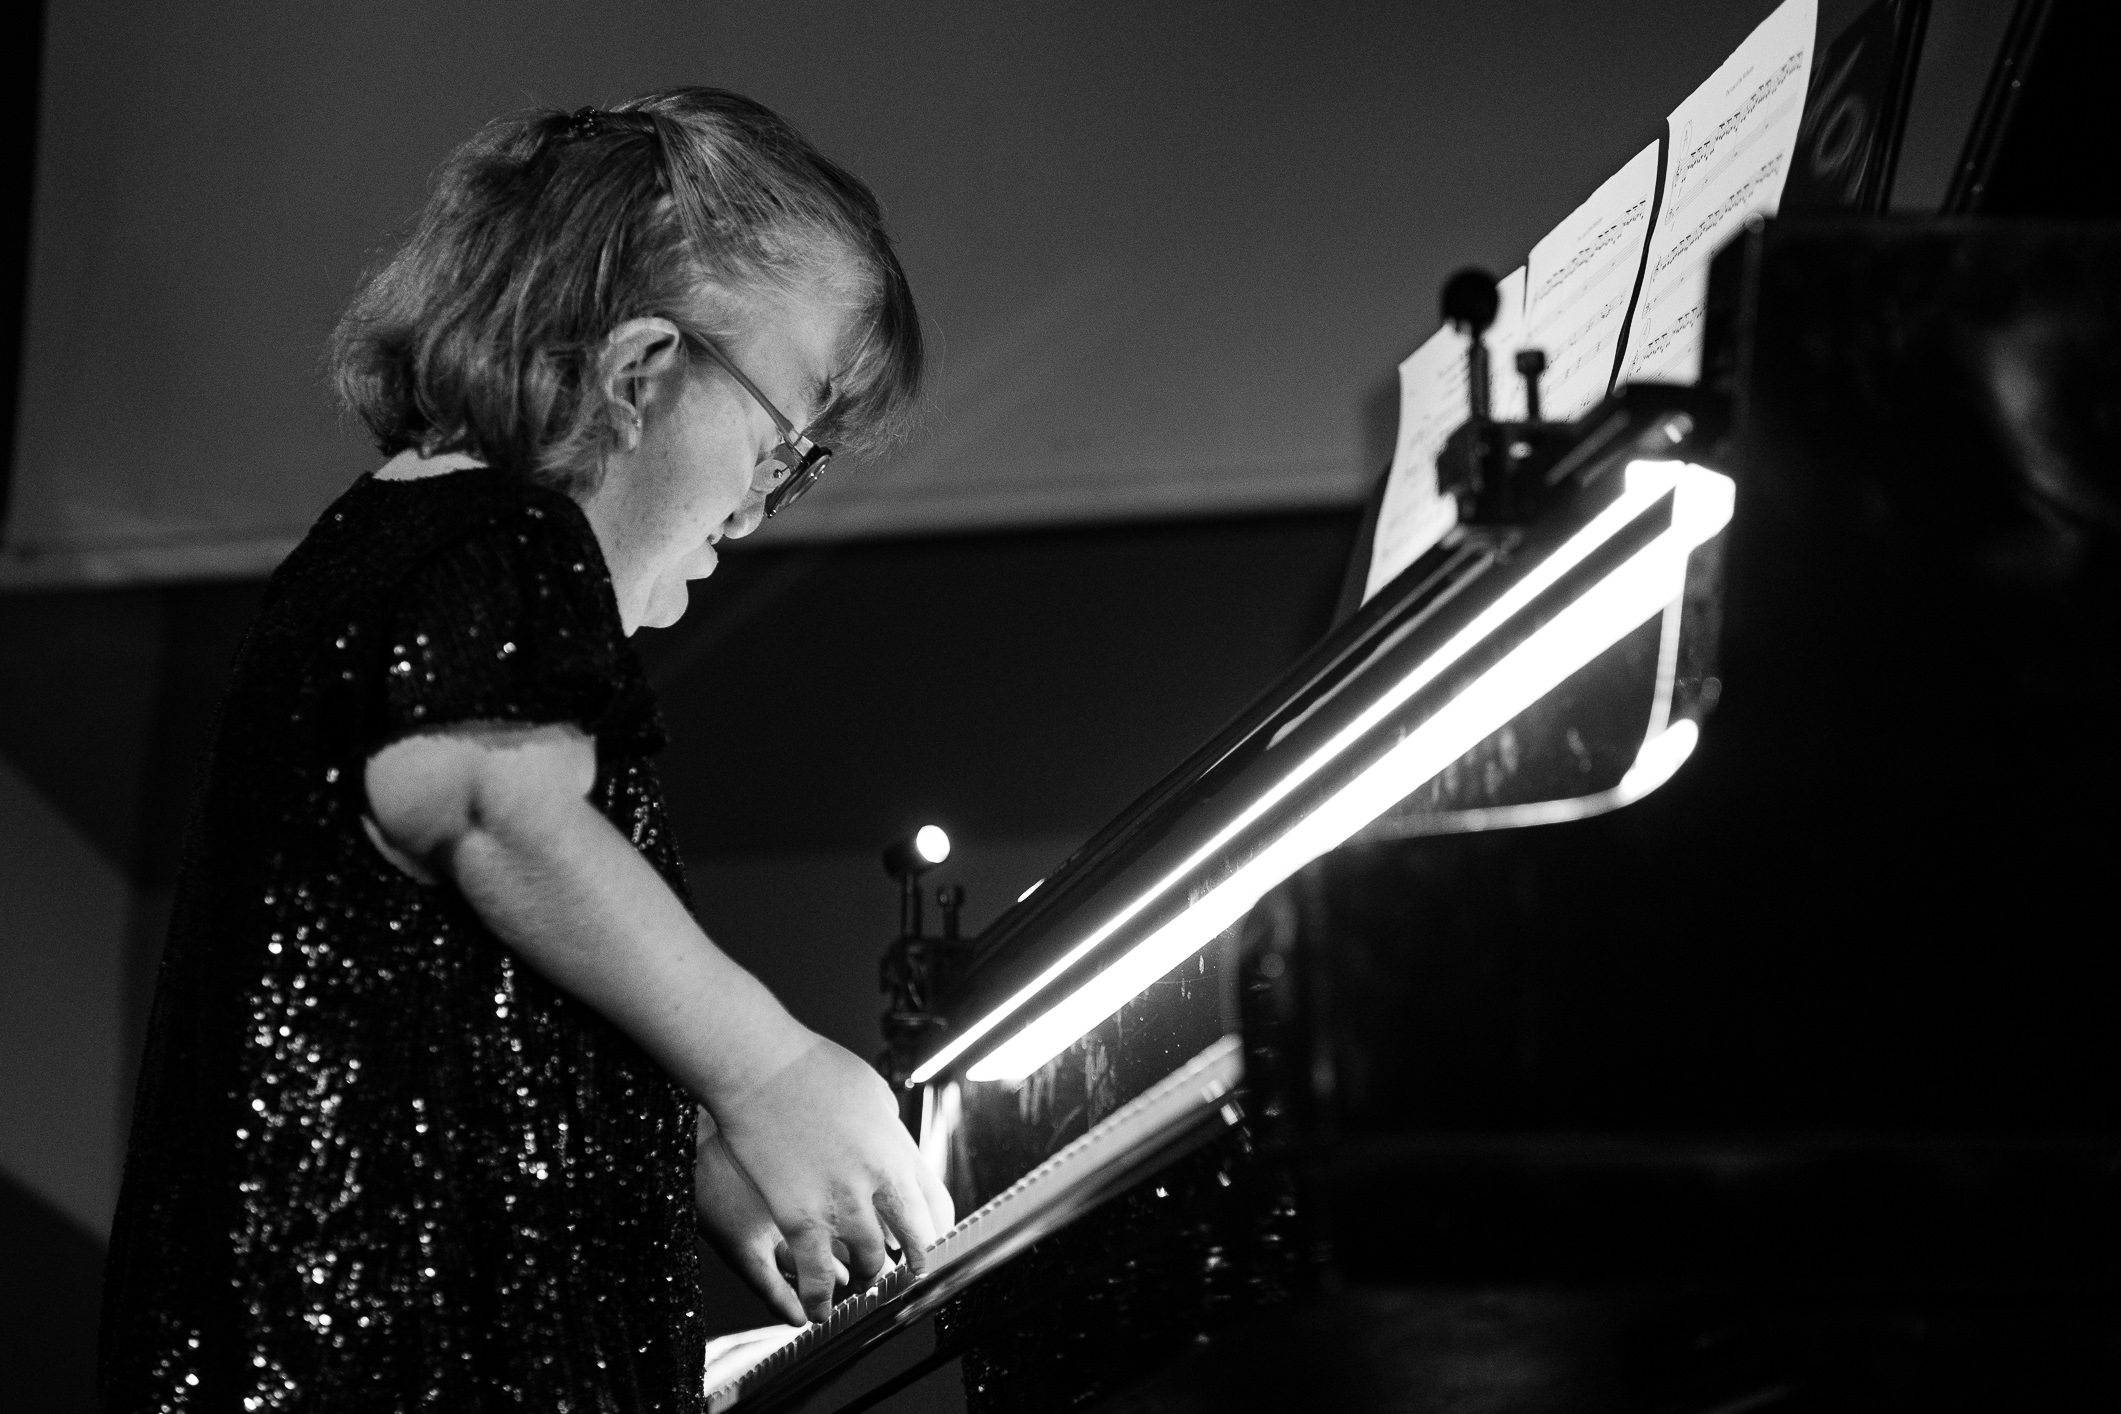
{"points": [[800, 479]]}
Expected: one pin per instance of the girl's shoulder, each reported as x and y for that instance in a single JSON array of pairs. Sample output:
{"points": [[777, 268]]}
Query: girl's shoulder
{"points": [[471, 595], [384, 532]]}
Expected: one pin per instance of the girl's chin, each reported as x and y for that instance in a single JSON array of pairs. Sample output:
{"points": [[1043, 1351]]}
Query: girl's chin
{"points": [[667, 605], [667, 600]]}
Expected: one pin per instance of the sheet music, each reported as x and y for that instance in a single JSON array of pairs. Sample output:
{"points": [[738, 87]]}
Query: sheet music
{"points": [[1578, 283], [1432, 402], [1731, 144], [1729, 152]]}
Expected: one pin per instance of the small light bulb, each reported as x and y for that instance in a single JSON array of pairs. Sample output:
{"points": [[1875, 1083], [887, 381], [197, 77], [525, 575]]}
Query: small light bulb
{"points": [[932, 844]]}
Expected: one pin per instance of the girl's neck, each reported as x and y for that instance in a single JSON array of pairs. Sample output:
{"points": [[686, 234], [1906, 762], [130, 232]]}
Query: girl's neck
{"points": [[410, 465]]}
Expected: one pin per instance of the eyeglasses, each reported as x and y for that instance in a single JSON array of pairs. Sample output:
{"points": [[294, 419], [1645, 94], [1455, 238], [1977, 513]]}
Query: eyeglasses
{"points": [[794, 465]]}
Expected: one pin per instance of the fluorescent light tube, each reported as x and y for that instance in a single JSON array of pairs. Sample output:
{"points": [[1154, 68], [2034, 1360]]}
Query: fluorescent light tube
{"points": [[1626, 597]]}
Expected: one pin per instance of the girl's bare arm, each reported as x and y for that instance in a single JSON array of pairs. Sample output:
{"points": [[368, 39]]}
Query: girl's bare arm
{"points": [[501, 812]]}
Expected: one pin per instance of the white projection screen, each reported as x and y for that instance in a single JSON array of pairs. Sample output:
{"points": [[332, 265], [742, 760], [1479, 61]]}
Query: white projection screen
{"points": [[1168, 254]]}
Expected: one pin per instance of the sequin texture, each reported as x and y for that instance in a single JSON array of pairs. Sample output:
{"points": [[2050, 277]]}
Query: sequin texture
{"points": [[378, 1162]]}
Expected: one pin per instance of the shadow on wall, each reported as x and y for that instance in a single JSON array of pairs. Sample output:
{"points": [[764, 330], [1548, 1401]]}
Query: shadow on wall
{"points": [[104, 699], [63, 916], [51, 1272]]}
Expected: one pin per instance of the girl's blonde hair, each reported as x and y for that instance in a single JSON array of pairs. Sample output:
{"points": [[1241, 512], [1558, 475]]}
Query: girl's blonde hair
{"points": [[545, 231]]}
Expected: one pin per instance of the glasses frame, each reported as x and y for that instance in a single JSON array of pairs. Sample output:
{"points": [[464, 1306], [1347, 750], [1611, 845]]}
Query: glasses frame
{"points": [[796, 462]]}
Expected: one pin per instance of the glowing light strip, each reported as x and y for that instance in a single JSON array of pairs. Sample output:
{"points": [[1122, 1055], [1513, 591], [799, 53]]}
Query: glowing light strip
{"points": [[1630, 595], [1645, 483], [1663, 749], [1658, 761]]}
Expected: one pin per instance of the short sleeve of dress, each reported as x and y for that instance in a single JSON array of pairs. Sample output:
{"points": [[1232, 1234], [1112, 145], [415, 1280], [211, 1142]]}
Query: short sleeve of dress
{"points": [[514, 622]]}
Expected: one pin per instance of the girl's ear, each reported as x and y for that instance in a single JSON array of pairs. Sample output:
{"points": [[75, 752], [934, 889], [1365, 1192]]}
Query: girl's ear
{"points": [[637, 356]]}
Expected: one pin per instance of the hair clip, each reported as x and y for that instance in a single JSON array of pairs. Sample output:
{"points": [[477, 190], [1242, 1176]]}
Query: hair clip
{"points": [[584, 123]]}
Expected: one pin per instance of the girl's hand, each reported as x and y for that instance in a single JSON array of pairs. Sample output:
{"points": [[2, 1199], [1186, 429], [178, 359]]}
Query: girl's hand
{"points": [[737, 1225], [821, 1140]]}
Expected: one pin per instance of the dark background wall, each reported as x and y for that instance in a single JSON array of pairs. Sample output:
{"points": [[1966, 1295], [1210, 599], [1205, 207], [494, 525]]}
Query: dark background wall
{"points": [[1017, 686], [1169, 253]]}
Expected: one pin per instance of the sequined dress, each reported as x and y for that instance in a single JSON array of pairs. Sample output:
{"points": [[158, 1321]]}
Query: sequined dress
{"points": [[377, 1161]]}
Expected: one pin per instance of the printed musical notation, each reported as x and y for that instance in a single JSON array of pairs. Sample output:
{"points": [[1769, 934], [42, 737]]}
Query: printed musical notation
{"points": [[1580, 280], [1727, 155]]}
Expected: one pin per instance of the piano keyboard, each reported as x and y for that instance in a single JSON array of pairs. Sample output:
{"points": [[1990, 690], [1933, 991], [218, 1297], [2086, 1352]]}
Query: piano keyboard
{"points": [[1087, 1171]]}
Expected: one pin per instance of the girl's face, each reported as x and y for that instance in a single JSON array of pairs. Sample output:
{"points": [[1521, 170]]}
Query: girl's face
{"points": [[685, 480]]}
